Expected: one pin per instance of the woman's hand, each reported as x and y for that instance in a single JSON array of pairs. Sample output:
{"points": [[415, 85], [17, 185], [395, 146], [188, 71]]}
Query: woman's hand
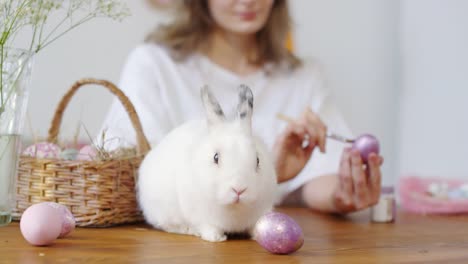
{"points": [[358, 186], [293, 148]]}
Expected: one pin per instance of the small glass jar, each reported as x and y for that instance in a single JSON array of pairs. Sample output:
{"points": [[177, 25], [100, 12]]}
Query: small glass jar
{"points": [[385, 209]]}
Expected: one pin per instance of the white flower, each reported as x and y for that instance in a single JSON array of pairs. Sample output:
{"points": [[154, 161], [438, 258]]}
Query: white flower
{"points": [[18, 15], [112, 9]]}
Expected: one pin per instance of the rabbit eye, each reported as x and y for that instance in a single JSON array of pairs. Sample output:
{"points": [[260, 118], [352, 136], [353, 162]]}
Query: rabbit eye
{"points": [[258, 162], [216, 158]]}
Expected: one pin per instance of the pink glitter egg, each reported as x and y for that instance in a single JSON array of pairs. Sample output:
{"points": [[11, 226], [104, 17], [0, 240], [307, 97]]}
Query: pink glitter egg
{"points": [[88, 152], [278, 233], [68, 220], [366, 144], [43, 150]]}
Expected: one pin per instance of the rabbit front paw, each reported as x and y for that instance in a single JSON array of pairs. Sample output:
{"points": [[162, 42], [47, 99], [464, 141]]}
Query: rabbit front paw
{"points": [[212, 234]]}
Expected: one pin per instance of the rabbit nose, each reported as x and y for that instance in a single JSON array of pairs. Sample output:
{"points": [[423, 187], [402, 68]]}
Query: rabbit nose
{"points": [[239, 192]]}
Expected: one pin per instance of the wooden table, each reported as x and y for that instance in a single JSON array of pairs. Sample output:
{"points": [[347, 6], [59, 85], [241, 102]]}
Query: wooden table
{"points": [[328, 239]]}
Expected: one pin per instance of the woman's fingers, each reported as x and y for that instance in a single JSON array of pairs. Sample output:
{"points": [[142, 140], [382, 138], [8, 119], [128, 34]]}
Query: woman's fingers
{"points": [[345, 178], [304, 135], [375, 177], [295, 128], [360, 183], [381, 160], [316, 127], [292, 136], [309, 128], [359, 186]]}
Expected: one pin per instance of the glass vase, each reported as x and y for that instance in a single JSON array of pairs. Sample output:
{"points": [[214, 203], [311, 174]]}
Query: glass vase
{"points": [[15, 65]]}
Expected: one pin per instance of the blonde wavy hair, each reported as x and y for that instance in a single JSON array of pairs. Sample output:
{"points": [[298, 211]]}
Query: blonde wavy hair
{"points": [[192, 23]]}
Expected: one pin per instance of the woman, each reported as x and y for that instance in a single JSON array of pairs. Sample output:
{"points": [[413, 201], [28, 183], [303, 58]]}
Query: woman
{"points": [[224, 43]]}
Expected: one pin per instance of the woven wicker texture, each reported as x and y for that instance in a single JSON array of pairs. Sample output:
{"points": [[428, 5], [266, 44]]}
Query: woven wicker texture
{"points": [[99, 193]]}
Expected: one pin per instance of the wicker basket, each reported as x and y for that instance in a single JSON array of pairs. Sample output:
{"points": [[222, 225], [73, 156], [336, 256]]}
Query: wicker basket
{"points": [[98, 193]]}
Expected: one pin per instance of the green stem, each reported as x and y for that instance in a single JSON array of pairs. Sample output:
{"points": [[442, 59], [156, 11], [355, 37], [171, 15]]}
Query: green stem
{"points": [[13, 84], [1, 76], [4, 39], [33, 40], [55, 28], [6, 146], [18, 11], [64, 32], [5, 25], [42, 27]]}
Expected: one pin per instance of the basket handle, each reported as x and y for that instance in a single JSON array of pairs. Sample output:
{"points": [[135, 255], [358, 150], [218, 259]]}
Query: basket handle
{"points": [[142, 142]]}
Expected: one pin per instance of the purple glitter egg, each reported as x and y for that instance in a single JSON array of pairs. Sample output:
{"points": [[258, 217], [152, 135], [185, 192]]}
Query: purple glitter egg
{"points": [[278, 233], [366, 144]]}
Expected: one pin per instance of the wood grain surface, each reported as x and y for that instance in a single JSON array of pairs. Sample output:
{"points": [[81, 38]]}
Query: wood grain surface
{"points": [[328, 239]]}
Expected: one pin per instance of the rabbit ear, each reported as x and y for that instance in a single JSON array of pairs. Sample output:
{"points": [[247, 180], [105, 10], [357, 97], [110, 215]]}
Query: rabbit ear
{"points": [[214, 113], [245, 106]]}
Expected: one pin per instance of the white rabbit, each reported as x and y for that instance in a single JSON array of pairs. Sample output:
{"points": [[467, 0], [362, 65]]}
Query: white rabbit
{"points": [[210, 177]]}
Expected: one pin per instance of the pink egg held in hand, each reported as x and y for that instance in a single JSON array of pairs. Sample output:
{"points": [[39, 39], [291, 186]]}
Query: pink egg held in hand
{"points": [[41, 224], [278, 233], [366, 144]]}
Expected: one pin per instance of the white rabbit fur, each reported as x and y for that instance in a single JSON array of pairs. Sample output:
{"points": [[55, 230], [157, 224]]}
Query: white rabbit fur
{"points": [[181, 189]]}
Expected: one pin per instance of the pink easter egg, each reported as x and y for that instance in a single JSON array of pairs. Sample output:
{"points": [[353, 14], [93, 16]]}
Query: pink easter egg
{"points": [[68, 220], [278, 233], [43, 150], [41, 224], [87, 152]]}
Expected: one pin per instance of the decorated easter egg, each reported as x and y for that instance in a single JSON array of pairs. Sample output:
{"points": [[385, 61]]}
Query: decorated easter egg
{"points": [[69, 154], [68, 220], [278, 233], [87, 152], [438, 189], [41, 224], [43, 150], [366, 144]]}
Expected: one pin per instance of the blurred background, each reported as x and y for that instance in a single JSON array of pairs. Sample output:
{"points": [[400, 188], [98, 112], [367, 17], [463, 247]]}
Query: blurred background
{"points": [[397, 69]]}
